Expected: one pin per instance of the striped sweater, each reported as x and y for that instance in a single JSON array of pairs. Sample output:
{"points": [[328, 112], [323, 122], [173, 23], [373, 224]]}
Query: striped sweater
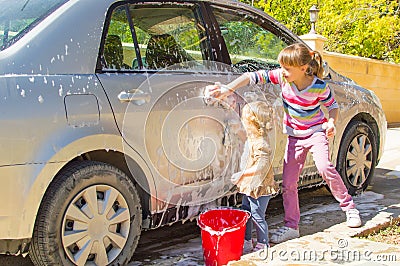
{"points": [[303, 114]]}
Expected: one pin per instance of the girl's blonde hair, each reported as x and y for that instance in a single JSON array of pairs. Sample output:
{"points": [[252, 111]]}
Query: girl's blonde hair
{"points": [[298, 54], [258, 116]]}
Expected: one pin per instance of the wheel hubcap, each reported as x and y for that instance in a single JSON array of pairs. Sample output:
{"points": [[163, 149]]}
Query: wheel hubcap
{"points": [[359, 160], [96, 226]]}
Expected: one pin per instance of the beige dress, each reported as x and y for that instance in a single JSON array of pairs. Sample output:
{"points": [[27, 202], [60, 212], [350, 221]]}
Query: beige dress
{"points": [[262, 183]]}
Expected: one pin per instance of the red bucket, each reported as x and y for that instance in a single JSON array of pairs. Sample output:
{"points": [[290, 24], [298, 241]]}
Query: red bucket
{"points": [[222, 235]]}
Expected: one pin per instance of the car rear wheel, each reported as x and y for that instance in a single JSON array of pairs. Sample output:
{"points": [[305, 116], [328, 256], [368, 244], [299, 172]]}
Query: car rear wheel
{"points": [[90, 214], [357, 156]]}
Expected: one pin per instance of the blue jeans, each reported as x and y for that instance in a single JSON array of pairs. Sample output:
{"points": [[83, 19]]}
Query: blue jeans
{"points": [[257, 208]]}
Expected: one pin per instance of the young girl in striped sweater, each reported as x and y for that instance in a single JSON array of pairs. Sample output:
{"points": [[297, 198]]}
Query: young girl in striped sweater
{"points": [[303, 92]]}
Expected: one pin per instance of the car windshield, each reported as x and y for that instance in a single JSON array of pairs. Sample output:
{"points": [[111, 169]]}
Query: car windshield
{"points": [[20, 16]]}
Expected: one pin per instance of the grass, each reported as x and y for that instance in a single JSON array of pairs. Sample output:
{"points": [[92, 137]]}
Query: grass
{"points": [[389, 234]]}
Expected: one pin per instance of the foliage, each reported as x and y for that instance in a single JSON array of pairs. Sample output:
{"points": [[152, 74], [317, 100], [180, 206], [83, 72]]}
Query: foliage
{"points": [[357, 27], [259, 43], [293, 14], [389, 235]]}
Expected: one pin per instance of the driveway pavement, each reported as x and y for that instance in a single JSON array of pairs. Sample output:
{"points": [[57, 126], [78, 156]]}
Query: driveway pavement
{"points": [[325, 238], [325, 241]]}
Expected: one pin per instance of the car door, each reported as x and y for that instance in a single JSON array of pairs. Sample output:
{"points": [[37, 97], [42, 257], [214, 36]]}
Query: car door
{"points": [[253, 42], [154, 67]]}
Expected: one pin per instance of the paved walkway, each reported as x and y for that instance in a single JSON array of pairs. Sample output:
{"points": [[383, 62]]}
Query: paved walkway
{"points": [[338, 244]]}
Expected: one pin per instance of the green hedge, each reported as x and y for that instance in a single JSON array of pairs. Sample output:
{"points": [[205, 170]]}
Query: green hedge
{"points": [[355, 27]]}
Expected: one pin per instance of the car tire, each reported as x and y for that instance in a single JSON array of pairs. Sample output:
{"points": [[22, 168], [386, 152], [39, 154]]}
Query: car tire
{"points": [[91, 213], [357, 156]]}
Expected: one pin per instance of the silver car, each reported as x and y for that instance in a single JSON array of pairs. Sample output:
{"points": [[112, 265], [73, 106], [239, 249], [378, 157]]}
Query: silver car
{"points": [[105, 130]]}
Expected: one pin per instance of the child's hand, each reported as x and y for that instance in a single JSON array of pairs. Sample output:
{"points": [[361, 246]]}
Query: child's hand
{"points": [[213, 93], [238, 177], [217, 91], [330, 129], [211, 90]]}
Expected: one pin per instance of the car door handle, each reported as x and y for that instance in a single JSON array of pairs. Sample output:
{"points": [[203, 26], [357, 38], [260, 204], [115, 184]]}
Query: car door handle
{"points": [[134, 96]]}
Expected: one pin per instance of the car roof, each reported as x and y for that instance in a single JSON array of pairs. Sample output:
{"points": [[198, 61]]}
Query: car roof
{"points": [[67, 41]]}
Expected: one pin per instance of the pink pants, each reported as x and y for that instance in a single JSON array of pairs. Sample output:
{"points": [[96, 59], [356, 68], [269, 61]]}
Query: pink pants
{"points": [[296, 152]]}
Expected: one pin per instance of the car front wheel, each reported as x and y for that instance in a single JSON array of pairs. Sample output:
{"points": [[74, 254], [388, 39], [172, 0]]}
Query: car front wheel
{"points": [[90, 215], [357, 156]]}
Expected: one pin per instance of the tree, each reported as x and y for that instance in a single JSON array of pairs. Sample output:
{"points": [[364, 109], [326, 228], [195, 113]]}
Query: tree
{"points": [[293, 14], [356, 27]]}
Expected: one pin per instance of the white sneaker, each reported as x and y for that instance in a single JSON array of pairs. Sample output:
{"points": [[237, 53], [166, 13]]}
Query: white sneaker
{"points": [[247, 247], [283, 234], [353, 218], [260, 246]]}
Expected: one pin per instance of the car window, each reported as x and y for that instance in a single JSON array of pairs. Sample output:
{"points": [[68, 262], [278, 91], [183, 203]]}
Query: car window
{"points": [[250, 45], [164, 35], [17, 17], [119, 49]]}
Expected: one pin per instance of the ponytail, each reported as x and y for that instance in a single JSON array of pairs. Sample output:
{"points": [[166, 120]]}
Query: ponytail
{"points": [[315, 65]]}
